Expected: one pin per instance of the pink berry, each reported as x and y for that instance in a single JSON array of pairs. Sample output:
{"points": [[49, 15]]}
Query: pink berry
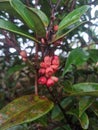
{"points": [[41, 71], [55, 62], [50, 82], [55, 79], [49, 71], [23, 54], [42, 80], [55, 28], [42, 40]]}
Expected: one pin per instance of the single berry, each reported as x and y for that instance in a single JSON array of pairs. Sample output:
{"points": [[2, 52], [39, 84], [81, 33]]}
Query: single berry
{"points": [[55, 28], [42, 65], [55, 67], [42, 80], [41, 71], [23, 54], [42, 40], [50, 82], [49, 71], [55, 79], [55, 62]]}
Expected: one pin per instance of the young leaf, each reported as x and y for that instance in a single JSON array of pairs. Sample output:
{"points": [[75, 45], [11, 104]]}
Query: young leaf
{"points": [[73, 17], [82, 89], [77, 57], [24, 109], [13, 28], [30, 17], [84, 121], [84, 104]]}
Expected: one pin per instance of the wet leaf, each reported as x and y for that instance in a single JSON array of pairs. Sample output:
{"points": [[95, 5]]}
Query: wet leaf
{"points": [[24, 109]]}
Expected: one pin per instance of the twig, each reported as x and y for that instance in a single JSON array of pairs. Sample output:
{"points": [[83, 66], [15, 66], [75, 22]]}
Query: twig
{"points": [[58, 2]]}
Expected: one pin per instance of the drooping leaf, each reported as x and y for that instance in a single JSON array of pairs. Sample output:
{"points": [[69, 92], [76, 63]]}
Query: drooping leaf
{"points": [[24, 109], [81, 89], [95, 108], [73, 17], [57, 113], [77, 57], [84, 104], [13, 28], [30, 17], [84, 120]]}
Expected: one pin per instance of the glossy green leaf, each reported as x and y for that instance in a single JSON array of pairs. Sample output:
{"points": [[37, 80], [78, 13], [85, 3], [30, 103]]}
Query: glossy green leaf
{"points": [[84, 120], [76, 57], [13, 28], [24, 109], [81, 89], [64, 32], [41, 15], [84, 104], [30, 17], [57, 113], [73, 17], [95, 108]]}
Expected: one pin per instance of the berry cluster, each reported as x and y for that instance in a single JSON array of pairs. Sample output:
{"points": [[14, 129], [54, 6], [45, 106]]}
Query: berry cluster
{"points": [[47, 68]]}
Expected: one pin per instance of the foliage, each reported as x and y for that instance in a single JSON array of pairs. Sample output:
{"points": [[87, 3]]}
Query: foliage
{"points": [[54, 41]]}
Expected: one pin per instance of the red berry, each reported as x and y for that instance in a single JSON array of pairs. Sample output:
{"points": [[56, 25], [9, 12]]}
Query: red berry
{"points": [[50, 82], [55, 79], [23, 54], [47, 59], [55, 67], [41, 71], [55, 57], [42, 80], [42, 64], [55, 62], [55, 28], [49, 71], [42, 40]]}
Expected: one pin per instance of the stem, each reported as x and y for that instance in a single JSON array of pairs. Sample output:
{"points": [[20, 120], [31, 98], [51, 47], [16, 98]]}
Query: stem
{"points": [[36, 69], [58, 2], [57, 102]]}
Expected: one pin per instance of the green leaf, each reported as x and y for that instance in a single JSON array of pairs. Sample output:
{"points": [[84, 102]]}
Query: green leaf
{"points": [[84, 120], [73, 17], [30, 17], [13, 28], [23, 110], [41, 15], [95, 108], [84, 104], [81, 89], [62, 33], [76, 57], [93, 55], [57, 113]]}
